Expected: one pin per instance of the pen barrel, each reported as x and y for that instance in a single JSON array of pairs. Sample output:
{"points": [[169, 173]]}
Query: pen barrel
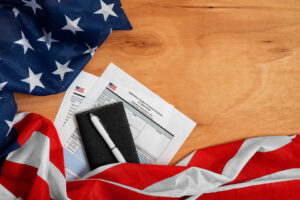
{"points": [[101, 130], [118, 155]]}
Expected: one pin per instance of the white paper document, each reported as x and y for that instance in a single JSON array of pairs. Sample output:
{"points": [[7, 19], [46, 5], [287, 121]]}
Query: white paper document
{"points": [[75, 160], [158, 129]]}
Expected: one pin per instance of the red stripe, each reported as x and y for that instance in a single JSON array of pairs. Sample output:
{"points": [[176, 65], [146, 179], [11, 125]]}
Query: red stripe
{"points": [[34, 122], [17, 178], [215, 158], [39, 189], [138, 175], [287, 190], [264, 163], [23, 181], [96, 189]]}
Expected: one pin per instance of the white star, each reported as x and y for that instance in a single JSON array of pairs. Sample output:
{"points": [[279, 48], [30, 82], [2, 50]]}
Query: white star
{"points": [[47, 38], [33, 4], [24, 41], [2, 85], [90, 50], [72, 25], [106, 10], [62, 69], [16, 12], [15, 120], [33, 80], [10, 125]]}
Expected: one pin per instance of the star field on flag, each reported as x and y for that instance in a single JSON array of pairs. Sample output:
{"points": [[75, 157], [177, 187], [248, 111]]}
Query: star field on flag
{"points": [[46, 45]]}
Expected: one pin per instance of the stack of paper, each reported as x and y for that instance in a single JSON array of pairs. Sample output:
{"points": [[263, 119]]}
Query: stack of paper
{"points": [[158, 128]]}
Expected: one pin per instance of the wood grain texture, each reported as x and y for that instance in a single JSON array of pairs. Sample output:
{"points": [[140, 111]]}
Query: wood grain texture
{"points": [[231, 66]]}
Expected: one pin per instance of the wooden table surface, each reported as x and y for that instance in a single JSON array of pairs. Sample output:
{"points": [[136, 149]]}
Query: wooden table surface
{"points": [[231, 66]]}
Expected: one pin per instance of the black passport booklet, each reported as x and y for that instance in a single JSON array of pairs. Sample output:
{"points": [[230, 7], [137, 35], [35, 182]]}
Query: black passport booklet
{"points": [[115, 122]]}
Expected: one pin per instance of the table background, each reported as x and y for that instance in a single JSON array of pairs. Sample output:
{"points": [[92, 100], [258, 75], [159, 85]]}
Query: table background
{"points": [[231, 66]]}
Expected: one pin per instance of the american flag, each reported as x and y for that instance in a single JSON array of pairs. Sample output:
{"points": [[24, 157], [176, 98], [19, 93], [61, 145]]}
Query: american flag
{"points": [[45, 44], [256, 168], [79, 89], [112, 86]]}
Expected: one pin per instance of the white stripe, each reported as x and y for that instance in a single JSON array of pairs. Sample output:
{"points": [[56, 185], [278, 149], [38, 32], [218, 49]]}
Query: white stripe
{"points": [[57, 183], [192, 181], [285, 175], [35, 152], [196, 181], [161, 191], [193, 197], [249, 148], [189, 182], [292, 174], [186, 186], [5, 194]]}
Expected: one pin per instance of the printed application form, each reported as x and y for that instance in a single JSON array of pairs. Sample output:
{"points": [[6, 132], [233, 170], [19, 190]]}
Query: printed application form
{"points": [[157, 127], [75, 160], [151, 139]]}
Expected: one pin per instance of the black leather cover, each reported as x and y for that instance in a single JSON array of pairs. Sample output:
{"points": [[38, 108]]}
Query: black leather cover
{"points": [[115, 122]]}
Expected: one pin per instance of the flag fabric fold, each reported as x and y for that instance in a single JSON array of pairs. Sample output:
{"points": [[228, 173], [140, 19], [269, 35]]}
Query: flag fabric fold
{"points": [[257, 168], [46, 43]]}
